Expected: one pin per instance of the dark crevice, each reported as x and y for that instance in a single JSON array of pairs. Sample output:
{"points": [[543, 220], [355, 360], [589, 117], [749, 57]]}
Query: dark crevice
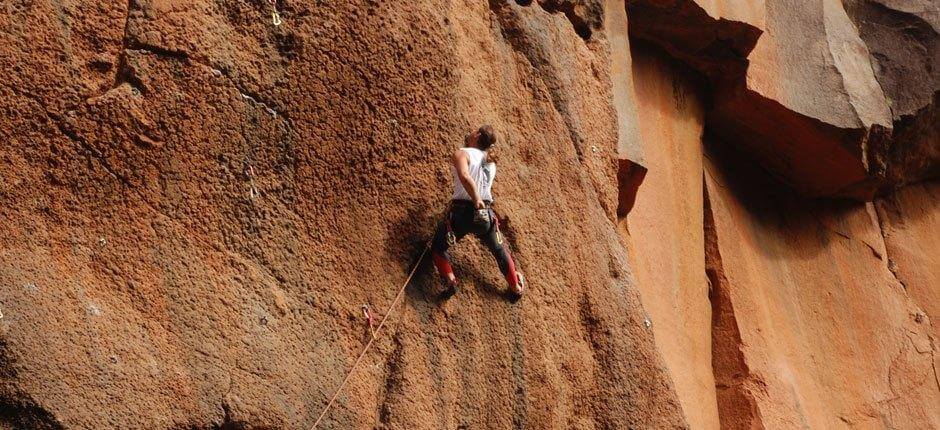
{"points": [[567, 7], [392, 379], [94, 154], [892, 265], [88, 149], [630, 176], [737, 407]]}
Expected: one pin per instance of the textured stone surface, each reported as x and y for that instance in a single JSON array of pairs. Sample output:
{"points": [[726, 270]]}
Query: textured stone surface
{"points": [[812, 329], [798, 89], [909, 220], [197, 203], [144, 286], [664, 229], [902, 36]]}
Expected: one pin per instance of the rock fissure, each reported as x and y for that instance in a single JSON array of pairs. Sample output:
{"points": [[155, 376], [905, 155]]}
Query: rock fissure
{"points": [[737, 407]]}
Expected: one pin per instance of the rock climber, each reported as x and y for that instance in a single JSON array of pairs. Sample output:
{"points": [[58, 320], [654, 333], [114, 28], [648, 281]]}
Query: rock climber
{"points": [[471, 212]]}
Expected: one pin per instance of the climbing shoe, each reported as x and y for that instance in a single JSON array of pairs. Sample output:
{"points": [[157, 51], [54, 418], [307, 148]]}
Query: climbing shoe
{"points": [[515, 294], [450, 288]]}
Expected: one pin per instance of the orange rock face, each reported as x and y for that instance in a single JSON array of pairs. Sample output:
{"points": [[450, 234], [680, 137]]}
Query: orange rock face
{"points": [[197, 203]]}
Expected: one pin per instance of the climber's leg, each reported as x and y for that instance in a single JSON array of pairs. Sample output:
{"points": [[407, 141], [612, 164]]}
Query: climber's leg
{"points": [[439, 246], [454, 227], [496, 244]]}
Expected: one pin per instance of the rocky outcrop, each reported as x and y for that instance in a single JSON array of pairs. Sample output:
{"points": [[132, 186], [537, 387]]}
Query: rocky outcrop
{"points": [[663, 231], [797, 91], [746, 327], [903, 39]]}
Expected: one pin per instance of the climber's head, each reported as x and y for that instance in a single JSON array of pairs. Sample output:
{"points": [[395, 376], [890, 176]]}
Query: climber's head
{"points": [[482, 138]]}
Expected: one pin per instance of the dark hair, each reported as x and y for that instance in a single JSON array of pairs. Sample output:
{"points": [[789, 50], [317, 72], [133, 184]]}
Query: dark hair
{"points": [[487, 137]]}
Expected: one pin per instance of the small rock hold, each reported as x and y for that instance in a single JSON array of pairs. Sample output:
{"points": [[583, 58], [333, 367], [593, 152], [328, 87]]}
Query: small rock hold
{"points": [[892, 266], [647, 323], [102, 241], [93, 310], [919, 317], [29, 286], [594, 149]]}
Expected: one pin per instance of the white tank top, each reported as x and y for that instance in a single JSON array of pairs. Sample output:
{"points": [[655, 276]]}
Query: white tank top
{"points": [[482, 174]]}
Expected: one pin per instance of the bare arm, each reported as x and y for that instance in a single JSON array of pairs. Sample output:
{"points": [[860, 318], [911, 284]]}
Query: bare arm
{"points": [[462, 164]]}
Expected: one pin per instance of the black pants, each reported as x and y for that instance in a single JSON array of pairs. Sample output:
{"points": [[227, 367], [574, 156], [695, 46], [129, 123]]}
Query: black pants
{"points": [[461, 222]]}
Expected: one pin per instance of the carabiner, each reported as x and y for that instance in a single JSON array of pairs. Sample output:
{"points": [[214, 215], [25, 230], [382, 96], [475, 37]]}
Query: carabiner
{"points": [[276, 18]]}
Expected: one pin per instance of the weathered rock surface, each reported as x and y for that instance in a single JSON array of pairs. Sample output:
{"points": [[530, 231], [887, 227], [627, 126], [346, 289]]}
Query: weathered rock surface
{"points": [[146, 286], [797, 90], [753, 350], [197, 203], [903, 38], [799, 287], [666, 251]]}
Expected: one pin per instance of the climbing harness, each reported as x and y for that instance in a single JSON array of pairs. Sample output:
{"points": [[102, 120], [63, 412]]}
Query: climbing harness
{"points": [[372, 339], [368, 315], [275, 17], [451, 237], [481, 215]]}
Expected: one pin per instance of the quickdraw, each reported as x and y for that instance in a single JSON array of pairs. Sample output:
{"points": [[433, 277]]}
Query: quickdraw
{"points": [[275, 17], [451, 237], [368, 315], [499, 234], [378, 329], [250, 172]]}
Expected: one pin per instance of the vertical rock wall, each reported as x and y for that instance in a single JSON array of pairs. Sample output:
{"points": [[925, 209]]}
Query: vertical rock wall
{"points": [[664, 229], [197, 203]]}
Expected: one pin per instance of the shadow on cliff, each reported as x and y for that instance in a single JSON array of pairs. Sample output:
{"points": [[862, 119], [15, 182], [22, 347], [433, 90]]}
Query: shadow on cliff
{"points": [[774, 211]]}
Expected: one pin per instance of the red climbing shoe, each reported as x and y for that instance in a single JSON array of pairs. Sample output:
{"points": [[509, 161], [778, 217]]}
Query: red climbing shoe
{"points": [[450, 288], [515, 293]]}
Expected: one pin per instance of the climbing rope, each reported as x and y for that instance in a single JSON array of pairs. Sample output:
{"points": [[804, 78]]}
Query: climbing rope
{"points": [[372, 339]]}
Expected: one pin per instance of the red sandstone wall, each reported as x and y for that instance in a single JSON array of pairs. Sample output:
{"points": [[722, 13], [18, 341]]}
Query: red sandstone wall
{"points": [[143, 284]]}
